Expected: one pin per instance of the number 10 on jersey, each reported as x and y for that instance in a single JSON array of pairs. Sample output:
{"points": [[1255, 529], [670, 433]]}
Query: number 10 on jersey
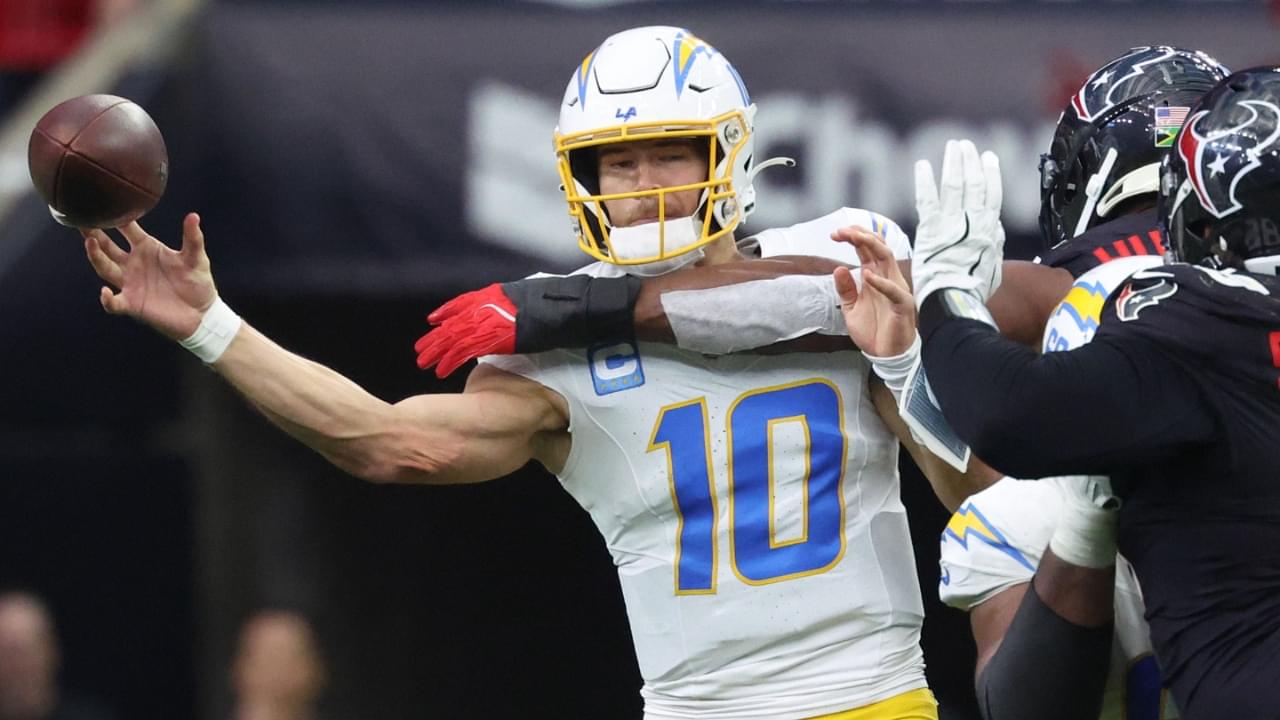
{"points": [[683, 431]]}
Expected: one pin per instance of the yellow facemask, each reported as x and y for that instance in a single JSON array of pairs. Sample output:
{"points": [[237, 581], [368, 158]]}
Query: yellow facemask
{"points": [[726, 137]]}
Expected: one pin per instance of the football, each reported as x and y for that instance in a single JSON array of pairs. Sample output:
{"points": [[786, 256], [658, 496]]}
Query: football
{"points": [[99, 161]]}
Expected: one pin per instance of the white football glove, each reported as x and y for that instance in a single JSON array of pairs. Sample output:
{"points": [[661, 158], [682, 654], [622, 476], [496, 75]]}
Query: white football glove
{"points": [[959, 240], [1086, 530]]}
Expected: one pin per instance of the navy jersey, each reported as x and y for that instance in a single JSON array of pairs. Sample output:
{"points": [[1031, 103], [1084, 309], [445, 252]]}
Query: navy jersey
{"points": [[1202, 528], [1128, 235], [1178, 399]]}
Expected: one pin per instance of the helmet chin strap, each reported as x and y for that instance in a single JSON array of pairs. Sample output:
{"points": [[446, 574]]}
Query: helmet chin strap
{"points": [[1093, 189]]}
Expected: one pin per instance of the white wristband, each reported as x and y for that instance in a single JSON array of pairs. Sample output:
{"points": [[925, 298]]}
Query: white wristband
{"points": [[894, 370], [217, 329]]}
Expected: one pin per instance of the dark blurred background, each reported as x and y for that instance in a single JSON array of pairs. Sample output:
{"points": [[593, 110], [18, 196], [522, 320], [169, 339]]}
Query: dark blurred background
{"points": [[356, 164]]}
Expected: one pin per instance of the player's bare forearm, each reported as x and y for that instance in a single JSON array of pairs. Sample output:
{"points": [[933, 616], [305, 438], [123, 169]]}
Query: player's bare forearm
{"points": [[1044, 647], [544, 313], [651, 321], [950, 486], [1081, 595], [1020, 307], [437, 439], [788, 296], [1027, 296]]}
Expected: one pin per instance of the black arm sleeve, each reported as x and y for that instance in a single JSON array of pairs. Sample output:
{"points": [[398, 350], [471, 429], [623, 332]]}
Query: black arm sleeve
{"points": [[1046, 668], [1095, 409], [572, 311]]}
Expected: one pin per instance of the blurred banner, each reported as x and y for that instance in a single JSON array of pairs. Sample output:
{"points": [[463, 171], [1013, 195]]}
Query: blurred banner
{"points": [[392, 149]]}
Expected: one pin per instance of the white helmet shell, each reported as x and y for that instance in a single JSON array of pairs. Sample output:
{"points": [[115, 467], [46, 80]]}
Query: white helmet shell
{"points": [[651, 83]]}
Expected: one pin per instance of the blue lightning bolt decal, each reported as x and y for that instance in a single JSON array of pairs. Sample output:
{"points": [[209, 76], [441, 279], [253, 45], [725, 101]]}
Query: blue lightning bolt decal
{"points": [[969, 523], [1084, 303]]}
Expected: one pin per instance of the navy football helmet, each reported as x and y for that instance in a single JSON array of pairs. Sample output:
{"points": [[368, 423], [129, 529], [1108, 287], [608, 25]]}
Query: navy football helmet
{"points": [[1113, 134], [1220, 191]]}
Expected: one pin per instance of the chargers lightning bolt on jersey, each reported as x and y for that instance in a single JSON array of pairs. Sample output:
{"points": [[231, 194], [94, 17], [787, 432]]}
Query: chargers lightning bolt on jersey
{"points": [[1178, 399], [995, 540]]}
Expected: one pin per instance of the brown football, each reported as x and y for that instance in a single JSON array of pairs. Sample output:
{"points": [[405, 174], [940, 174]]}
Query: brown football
{"points": [[98, 161]]}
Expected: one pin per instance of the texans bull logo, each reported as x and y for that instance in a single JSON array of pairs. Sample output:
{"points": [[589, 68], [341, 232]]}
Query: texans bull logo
{"points": [[1139, 293], [1112, 84], [1216, 161]]}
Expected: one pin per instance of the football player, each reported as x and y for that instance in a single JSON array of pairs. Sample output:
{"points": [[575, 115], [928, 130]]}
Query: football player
{"points": [[1099, 183], [750, 502], [1175, 398]]}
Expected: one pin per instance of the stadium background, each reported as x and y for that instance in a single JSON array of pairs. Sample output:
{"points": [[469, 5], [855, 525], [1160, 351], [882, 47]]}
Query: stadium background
{"points": [[355, 165]]}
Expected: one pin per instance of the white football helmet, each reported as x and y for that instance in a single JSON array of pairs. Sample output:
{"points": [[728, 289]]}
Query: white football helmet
{"points": [[644, 84]]}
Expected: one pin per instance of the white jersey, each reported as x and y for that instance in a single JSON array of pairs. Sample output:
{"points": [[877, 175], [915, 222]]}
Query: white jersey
{"points": [[994, 541], [814, 237], [1075, 320], [751, 505]]}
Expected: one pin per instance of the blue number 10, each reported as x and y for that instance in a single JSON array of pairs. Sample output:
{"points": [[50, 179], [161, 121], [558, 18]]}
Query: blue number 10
{"points": [[755, 553]]}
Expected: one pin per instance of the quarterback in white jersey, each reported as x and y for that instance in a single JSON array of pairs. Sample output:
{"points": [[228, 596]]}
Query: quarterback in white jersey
{"points": [[995, 540], [751, 505]]}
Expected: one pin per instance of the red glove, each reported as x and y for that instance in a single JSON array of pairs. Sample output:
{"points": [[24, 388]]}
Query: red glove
{"points": [[480, 322], [571, 311]]}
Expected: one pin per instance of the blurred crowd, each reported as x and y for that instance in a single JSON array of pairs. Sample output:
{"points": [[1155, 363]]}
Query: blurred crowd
{"points": [[278, 671]]}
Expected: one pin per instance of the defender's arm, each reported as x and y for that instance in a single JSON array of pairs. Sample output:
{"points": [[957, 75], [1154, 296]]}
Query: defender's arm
{"points": [[950, 486], [1044, 630], [1097, 408], [790, 296], [1044, 647]]}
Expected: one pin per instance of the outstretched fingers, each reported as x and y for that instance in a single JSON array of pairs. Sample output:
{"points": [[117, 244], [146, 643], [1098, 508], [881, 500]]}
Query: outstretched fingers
{"points": [[453, 307], [926, 189], [193, 252], [872, 249], [108, 246], [953, 179], [460, 355], [112, 302], [432, 346], [994, 191], [107, 259], [975, 183], [875, 247], [103, 264], [897, 293], [846, 287], [135, 235]]}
